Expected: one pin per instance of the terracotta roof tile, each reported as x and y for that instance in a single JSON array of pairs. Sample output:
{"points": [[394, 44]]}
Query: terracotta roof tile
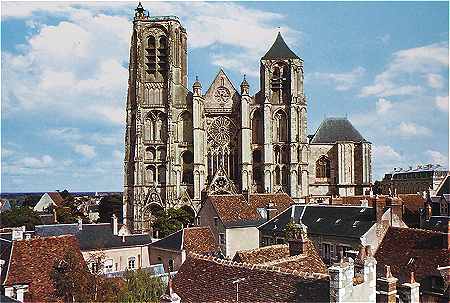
{"points": [[56, 197], [235, 210], [199, 240], [32, 261], [408, 249], [278, 255], [208, 279], [412, 202]]}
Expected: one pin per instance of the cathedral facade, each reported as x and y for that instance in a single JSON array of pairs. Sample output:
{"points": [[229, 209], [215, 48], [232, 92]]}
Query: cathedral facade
{"points": [[182, 145]]}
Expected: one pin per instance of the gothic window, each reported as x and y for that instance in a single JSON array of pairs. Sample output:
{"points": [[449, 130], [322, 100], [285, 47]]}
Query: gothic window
{"points": [[257, 127], [162, 56], [285, 175], [148, 129], [150, 153], [281, 127], [161, 174], [151, 55], [161, 154], [277, 175], [188, 159], [257, 156], [176, 48], [323, 168], [285, 155], [258, 175], [150, 174], [185, 130]]}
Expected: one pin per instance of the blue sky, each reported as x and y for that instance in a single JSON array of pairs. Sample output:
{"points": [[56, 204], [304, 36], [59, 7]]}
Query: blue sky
{"points": [[64, 78]]}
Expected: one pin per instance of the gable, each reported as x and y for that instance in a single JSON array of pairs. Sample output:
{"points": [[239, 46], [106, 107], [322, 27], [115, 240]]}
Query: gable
{"points": [[221, 95]]}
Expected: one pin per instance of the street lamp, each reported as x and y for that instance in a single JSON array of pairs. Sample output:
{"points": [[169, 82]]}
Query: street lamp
{"points": [[237, 287]]}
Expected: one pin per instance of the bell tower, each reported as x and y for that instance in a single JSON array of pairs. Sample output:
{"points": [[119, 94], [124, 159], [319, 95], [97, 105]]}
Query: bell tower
{"points": [[284, 105], [158, 139]]}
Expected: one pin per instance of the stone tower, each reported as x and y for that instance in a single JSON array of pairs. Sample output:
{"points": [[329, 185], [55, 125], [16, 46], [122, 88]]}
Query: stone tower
{"points": [[283, 103], [159, 139]]}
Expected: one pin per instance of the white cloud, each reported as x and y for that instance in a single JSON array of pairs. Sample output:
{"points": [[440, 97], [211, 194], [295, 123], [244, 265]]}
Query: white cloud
{"points": [[383, 105], [435, 80], [36, 162], [85, 150], [436, 157], [409, 129], [341, 81], [405, 64], [6, 152], [385, 153], [442, 103]]}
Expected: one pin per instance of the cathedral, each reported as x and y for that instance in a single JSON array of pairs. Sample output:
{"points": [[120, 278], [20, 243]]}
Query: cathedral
{"points": [[182, 145]]}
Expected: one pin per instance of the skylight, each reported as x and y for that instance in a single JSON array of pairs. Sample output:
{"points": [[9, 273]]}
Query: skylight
{"points": [[319, 219], [362, 210], [338, 221], [355, 223]]}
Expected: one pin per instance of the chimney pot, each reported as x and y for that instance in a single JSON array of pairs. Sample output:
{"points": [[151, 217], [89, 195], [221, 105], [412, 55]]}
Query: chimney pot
{"points": [[80, 224], [115, 225]]}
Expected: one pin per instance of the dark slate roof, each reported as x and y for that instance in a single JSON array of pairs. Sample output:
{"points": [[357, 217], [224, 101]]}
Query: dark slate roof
{"points": [[5, 299], [173, 241], [436, 223], [92, 236], [332, 130], [342, 221], [280, 50]]}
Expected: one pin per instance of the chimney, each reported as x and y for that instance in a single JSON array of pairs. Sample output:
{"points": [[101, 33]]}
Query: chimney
{"points": [[380, 203], [17, 233], [170, 296], [341, 280], [80, 224], [298, 240], [270, 208], [410, 291], [20, 293], [387, 287], [115, 224]]}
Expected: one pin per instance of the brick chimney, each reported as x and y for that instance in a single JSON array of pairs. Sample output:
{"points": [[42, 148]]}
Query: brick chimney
{"points": [[380, 203], [387, 287], [299, 240], [80, 224], [170, 296], [341, 280]]}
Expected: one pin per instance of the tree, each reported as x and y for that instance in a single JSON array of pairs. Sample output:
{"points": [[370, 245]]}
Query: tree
{"points": [[171, 220], [31, 200], [75, 283], [140, 286], [71, 279], [20, 216], [108, 206]]}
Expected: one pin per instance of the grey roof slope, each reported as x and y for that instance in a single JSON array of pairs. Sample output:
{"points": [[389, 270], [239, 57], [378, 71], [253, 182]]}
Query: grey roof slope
{"points": [[444, 188], [344, 221], [173, 241], [92, 236], [280, 50], [332, 130]]}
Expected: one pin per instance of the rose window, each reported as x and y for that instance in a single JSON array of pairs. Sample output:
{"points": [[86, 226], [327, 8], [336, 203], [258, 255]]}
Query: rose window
{"points": [[222, 130]]}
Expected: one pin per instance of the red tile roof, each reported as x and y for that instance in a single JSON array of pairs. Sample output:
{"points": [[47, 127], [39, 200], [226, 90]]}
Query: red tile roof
{"points": [[235, 210], [208, 279], [413, 202], [32, 262], [56, 197], [408, 249], [278, 255], [199, 240]]}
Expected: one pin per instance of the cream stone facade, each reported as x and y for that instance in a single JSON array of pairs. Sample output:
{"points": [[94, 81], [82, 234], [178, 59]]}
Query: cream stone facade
{"points": [[182, 146]]}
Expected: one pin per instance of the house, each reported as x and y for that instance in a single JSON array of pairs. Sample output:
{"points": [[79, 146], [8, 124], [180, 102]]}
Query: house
{"points": [[423, 252], [119, 250], [173, 249], [282, 273], [335, 230], [4, 205], [31, 262], [51, 199], [234, 219]]}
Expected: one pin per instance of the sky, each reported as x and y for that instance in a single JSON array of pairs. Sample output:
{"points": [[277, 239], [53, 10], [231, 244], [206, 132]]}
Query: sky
{"points": [[64, 72]]}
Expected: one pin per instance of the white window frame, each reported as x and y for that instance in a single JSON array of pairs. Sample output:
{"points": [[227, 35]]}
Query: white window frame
{"points": [[132, 261], [108, 265]]}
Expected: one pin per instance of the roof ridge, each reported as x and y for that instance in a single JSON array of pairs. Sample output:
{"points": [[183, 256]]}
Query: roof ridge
{"points": [[418, 229], [262, 248], [262, 267], [285, 259]]}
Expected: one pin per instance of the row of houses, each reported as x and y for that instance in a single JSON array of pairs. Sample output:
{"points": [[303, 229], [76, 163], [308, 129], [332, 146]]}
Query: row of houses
{"points": [[345, 251]]}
